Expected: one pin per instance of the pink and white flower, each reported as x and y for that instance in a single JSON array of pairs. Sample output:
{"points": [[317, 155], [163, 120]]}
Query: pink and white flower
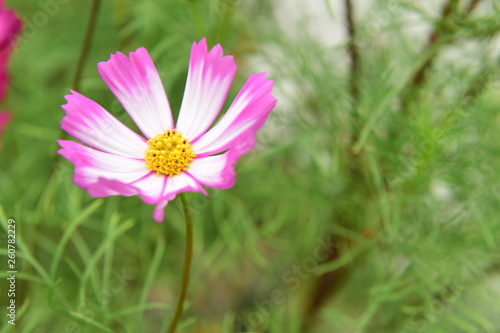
{"points": [[171, 157], [10, 26]]}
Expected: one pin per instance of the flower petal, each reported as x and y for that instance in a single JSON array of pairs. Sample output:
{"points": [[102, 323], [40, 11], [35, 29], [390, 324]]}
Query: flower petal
{"points": [[103, 174], [208, 82], [159, 211], [245, 116], [182, 182], [151, 187], [137, 85], [215, 171], [90, 123], [10, 26], [154, 188]]}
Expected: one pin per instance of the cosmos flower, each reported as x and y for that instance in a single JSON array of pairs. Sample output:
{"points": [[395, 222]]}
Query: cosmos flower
{"points": [[171, 157], [10, 26]]}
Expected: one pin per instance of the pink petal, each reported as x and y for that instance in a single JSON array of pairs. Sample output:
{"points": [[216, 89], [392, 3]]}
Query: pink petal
{"points": [[103, 174], [245, 116], [208, 82], [154, 188], [10, 26], [137, 85], [90, 123], [4, 75], [182, 182], [175, 185], [159, 211], [215, 171], [4, 120], [151, 187]]}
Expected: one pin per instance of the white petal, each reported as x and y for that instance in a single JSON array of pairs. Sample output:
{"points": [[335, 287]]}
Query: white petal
{"points": [[138, 87]]}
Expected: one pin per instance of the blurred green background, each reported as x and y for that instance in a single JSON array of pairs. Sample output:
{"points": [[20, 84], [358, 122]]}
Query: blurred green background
{"points": [[370, 203]]}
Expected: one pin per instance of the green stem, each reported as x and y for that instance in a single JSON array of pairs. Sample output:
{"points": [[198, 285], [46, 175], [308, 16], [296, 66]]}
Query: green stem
{"points": [[188, 257], [82, 58], [87, 41]]}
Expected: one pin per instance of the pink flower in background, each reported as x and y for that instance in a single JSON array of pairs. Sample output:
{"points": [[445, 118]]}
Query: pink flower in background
{"points": [[10, 26], [4, 119], [173, 157]]}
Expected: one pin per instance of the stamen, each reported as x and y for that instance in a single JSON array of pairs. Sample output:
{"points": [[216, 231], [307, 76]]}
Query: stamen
{"points": [[168, 153]]}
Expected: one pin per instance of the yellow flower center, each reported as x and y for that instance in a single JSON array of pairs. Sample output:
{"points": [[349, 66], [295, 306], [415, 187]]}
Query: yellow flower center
{"points": [[168, 153]]}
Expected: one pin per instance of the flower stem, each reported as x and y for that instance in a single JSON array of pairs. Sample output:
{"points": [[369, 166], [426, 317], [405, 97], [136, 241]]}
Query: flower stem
{"points": [[84, 52], [188, 257], [82, 58]]}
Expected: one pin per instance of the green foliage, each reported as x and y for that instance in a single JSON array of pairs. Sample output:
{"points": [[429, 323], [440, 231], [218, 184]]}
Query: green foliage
{"points": [[375, 212]]}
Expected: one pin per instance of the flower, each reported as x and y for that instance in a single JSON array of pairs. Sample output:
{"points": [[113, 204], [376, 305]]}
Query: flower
{"points": [[10, 26], [173, 157]]}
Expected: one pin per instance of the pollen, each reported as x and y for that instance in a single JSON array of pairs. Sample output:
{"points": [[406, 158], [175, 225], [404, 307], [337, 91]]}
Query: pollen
{"points": [[168, 153]]}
